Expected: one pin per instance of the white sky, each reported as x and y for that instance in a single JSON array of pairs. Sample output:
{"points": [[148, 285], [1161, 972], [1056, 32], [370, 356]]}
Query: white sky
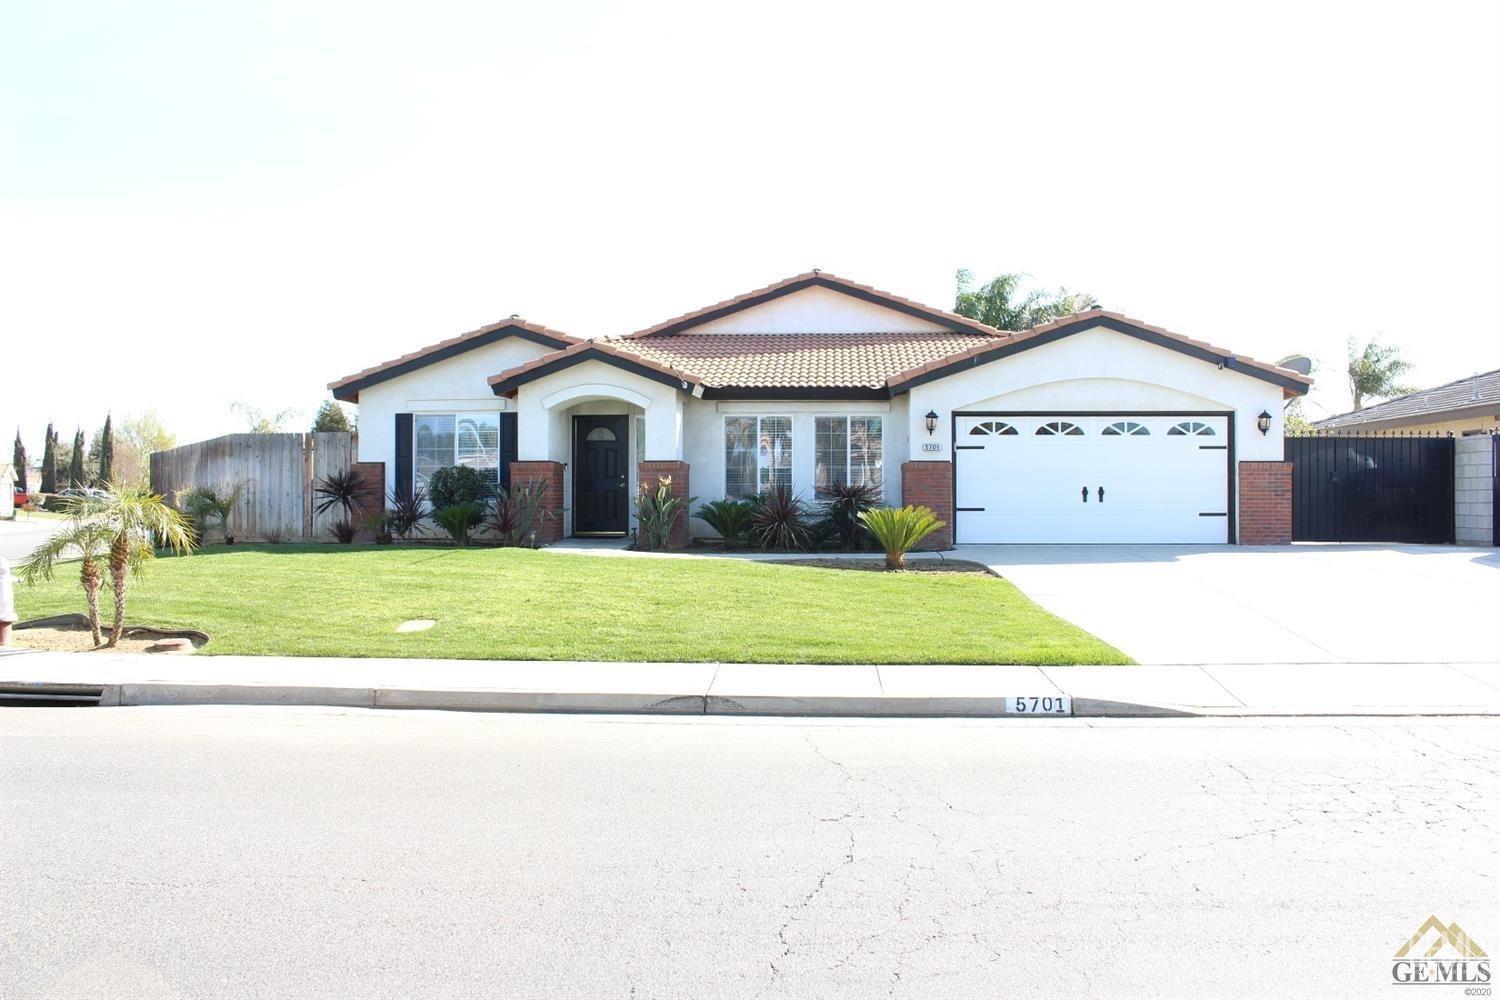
{"points": [[208, 202]]}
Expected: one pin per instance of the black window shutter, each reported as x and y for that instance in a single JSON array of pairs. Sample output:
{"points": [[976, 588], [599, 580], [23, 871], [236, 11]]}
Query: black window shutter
{"points": [[403, 454], [507, 447]]}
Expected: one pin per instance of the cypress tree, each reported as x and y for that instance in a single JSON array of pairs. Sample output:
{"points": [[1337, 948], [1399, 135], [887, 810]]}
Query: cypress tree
{"points": [[75, 467], [49, 461], [106, 452], [18, 459]]}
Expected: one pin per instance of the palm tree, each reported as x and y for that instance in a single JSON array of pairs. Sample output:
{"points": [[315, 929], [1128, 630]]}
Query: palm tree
{"points": [[84, 533], [1376, 371], [994, 303], [137, 520]]}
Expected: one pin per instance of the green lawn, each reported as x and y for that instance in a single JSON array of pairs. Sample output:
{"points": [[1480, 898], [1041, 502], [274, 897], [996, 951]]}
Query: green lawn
{"points": [[320, 600]]}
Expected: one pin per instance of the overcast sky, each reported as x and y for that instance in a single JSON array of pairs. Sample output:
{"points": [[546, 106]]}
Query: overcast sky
{"points": [[201, 203]]}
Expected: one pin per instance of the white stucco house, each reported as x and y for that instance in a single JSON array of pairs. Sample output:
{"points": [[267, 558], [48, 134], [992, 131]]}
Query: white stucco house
{"points": [[1092, 428]]}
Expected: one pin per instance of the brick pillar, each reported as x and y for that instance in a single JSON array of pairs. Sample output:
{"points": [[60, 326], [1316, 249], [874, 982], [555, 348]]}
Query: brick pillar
{"points": [[371, 499], [549, 526], [646, 474], [930, 484], [1265, 503]]}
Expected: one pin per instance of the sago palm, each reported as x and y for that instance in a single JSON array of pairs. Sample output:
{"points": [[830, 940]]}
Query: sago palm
{"points": [[138, 521], [83, 536], [899, 529]]}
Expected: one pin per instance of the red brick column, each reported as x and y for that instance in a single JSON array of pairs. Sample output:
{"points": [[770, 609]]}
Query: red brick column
{"points": [[1265, 503], [930, 484], [646, 474], [371, 499], [548, 529]]}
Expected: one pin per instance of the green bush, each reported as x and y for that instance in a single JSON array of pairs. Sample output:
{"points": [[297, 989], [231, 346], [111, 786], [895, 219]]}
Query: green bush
{"points": [[730, 518], [899, 529], [459, 519], [458, 484]]}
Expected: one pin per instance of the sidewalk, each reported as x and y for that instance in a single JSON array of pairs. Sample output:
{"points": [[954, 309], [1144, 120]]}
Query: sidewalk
{"points": [[1275, 689]]}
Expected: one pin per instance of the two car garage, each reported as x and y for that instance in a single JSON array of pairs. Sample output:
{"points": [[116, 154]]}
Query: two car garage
{"points": [[1091, 477]]}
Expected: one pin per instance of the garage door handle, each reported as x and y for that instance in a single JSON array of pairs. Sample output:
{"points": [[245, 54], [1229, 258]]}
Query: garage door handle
{"points": [[1085, 494], [1101, 494]]}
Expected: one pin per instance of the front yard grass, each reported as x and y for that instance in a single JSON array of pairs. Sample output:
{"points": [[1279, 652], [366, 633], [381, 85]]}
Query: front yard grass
{"points": [[516, 604]]}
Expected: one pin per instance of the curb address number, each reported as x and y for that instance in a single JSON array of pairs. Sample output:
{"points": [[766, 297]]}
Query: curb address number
{"points": [[1040, 705]]}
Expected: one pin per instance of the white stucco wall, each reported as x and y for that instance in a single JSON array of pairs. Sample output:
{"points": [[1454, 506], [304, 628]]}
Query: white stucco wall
{"points": [[1102, 370], [454, 385], [818, 310]]}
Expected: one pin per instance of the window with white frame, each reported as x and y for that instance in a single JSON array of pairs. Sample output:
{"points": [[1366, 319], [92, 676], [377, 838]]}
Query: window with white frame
{"points": [[848, 450], [443, 439], [757, 454]]}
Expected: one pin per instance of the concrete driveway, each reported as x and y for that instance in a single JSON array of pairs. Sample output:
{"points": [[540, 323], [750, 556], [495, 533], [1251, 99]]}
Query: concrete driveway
{"points": [[1305, 603]]}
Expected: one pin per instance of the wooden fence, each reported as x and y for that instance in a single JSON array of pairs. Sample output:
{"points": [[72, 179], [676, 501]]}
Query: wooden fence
{"points": [[275, 473]]}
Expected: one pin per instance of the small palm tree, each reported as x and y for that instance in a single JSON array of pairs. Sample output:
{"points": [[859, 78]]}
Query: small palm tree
{"points": [[1375, 371], [138, 521], [85, 535]]}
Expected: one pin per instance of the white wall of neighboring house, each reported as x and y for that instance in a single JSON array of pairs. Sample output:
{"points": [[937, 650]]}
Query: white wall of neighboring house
{"points": [[818, 310], [7, 491], [454, 385]]}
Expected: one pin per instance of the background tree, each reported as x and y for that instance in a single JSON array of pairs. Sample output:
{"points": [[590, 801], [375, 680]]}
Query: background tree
{"points": [[139, 437], [106, 443], [18, 459], [1375, 372], [76, 475], [259, 421], [332, 416], [49, 462], [996, 302]]}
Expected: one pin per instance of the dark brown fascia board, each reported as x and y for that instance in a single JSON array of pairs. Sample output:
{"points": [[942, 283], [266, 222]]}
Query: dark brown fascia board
{"points": [[1006, 349], [349, 392], [815, 280], [503, 387]]}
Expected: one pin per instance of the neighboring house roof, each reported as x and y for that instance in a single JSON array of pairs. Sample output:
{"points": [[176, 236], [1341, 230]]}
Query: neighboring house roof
{"points": [[815, 279], [1477, 392], [348, 387], [1291, 382]]}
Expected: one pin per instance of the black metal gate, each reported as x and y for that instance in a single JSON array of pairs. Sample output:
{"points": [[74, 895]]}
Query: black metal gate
{"points": [[1371, 489]]}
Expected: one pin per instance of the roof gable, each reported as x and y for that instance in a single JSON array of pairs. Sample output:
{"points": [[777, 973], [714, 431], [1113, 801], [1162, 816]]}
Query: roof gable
{"points": [[348, 387], [762, 312]]}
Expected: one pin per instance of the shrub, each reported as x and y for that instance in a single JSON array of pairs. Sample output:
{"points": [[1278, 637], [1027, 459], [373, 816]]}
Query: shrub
{"points": [[516, 512], [730, 518], [459, 519], [778, 520], [342, 530], [273, 536], [899, 529], [405, 509], [204, 505], [657, 510], [843, 503], [458, 484]]}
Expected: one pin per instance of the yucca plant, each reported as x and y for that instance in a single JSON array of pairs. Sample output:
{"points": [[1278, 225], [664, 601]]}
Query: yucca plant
{"points": [[516, 512], [779, 520], [343, 531], [459, 519], [404, 510], [843, 503], [340, 490], [899, 529], [730, 518]]}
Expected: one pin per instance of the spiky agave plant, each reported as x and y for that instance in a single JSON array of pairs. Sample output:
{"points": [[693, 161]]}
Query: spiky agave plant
{"points": [[899, 529]]}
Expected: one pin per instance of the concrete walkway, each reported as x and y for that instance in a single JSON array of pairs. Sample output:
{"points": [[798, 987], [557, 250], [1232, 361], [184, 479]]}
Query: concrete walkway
{"points": [[766, 689]]}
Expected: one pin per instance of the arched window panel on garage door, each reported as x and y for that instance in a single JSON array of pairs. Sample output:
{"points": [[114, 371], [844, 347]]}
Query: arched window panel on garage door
{"points": [[1126, 428], [990, 428], [1191, 428], [1059, 428]]}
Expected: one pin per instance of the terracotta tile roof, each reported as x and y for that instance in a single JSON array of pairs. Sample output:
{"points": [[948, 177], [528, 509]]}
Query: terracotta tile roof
{"points": [[798, 360], [814, 279], [1482, 390], [348, 387], [610, 351], [1014, 341]]}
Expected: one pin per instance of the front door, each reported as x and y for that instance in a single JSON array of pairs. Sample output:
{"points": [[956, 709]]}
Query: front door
{"points": [[599, 477]]}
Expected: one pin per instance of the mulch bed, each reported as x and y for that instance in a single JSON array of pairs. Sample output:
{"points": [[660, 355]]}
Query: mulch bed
{"points": [[878, 565], [70, 634]]}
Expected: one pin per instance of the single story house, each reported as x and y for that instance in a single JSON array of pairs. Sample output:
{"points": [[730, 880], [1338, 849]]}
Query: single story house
{"points": [[1462, 408], [8, 482], [1092, 428]]}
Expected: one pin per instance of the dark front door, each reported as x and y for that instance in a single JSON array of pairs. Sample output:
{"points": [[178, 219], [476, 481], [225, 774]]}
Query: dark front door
{"points": [[599, 478]]}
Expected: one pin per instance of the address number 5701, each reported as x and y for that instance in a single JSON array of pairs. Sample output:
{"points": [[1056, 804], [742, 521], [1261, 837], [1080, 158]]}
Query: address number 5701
{"points": [[1058, 704]]}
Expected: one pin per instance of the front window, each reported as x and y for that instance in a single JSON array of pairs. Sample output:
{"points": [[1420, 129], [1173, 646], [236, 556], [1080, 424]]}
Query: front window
{"points": [[849, 450], [757, 454], [443, 439]]}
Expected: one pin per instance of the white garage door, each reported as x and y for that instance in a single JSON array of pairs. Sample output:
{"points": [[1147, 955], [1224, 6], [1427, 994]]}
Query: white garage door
{"points": [[1091, 478]]}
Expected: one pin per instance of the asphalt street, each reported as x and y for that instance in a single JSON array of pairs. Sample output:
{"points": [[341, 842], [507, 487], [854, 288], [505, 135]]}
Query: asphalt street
{"points": [[19, 537], [208, 852]]}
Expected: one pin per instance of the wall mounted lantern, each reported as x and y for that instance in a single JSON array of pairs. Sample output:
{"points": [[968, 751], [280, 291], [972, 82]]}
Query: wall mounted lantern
{"points": [[1263, 422], [932, 419]]}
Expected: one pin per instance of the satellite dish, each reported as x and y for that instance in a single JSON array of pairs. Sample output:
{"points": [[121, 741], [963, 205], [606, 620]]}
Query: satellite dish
{"points": [[1299, 363]]}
